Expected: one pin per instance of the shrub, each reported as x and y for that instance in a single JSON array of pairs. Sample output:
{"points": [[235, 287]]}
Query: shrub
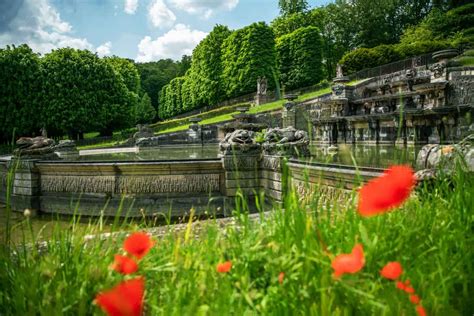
{"points": [[422, 47], [362, 58]]}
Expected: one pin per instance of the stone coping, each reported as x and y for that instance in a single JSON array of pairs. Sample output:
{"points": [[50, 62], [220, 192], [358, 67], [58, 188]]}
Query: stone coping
{"points": [[129, 162]]}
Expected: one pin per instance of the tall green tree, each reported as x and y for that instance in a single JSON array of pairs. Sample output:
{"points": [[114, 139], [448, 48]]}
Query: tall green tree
{"points": [[20, 92], [144, 111], [299, 58], [83, 94], [155, 75], [248, 54], [292, 6], [127, 70], [204, 76]]}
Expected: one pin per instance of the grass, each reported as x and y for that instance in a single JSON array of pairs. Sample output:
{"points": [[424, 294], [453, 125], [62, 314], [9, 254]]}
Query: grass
{"points": [[267, 107], [431, 235], [100, 145]]}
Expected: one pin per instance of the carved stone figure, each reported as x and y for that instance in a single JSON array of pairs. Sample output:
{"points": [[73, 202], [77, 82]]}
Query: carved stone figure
{"points": [[262, 86], [239, 140], [433, 159], [37, 147], [438, 69], [337, 89], [410, 77], [286, 142]]}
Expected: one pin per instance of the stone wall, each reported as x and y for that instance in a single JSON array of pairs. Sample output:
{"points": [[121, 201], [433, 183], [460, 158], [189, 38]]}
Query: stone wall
{"points": [[169, 188], [138, 188]]}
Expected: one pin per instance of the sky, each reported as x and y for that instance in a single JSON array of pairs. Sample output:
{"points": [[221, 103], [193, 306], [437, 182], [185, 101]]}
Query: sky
{"points": [[143, 30]]}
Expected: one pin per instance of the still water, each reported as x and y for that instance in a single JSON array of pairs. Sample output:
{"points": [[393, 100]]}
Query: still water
{"points": [[363, 155], [45, 225]]}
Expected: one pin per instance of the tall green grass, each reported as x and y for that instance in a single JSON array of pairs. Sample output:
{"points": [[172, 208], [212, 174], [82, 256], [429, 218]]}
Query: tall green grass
{"points": [[431, 235]]}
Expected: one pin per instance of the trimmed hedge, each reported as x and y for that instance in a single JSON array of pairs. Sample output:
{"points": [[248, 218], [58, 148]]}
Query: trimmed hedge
{"points": [[248, 53], [363, 58], [224, 65], [299, 58]]}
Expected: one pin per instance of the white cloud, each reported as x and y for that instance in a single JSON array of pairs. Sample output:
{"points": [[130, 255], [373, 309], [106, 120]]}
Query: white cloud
{"points": [[131, 6], [160, 15], [39, 25], [104, 49], [204, 7], [177, 42]]}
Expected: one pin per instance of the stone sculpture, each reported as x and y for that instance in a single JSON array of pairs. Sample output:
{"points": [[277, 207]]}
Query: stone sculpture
{"points": [[262, 86], [239, 140], [433, 159], [286, 142], [38, 147]]}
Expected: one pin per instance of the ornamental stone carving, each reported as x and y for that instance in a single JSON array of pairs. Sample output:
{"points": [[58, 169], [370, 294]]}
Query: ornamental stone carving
{"points": [[241, 141], [286, 142], [433, 159], [35, 148]]}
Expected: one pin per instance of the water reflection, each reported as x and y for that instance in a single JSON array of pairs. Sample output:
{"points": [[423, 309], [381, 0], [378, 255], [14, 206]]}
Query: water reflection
{"points": [[364, 155], [160, 153]]}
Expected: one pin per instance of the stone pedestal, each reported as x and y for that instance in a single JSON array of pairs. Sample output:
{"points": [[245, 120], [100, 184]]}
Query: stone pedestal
{"points": [[289, 118], [26, 185], [289, 113], [241, 173], [261, 99]]}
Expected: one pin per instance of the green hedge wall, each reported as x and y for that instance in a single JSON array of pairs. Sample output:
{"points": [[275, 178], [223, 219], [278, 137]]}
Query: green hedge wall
{"points": [[224, 65], [299, 58], [248, 53]]}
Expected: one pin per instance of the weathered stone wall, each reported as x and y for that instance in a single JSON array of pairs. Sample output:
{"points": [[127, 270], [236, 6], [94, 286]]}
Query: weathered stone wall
{"points": [[140, 188], [171, 188]]}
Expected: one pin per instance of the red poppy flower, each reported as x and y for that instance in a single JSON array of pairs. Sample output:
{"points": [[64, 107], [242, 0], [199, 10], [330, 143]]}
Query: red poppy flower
{"points": [[409, 290], [224, 267], [125, 299], [415, 299], [281, 277], [387, 191], [138, 244], [401, 286], [392, 270], [349, 263], [124, 265], [420, 310]]}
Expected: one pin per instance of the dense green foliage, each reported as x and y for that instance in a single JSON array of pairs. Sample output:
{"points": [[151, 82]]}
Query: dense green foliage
{"points": [[248, 54], [224, 65], [20, 92], [154, 75], [204, 85], [438, 30], [430, 235], [144, 111], [299, 58], [292, 6], [67, 92], [83, 93], [127, 70]]}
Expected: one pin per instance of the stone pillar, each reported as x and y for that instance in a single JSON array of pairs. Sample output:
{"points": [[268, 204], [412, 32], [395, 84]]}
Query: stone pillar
{"points": [[289, 113], [26, 184]]}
